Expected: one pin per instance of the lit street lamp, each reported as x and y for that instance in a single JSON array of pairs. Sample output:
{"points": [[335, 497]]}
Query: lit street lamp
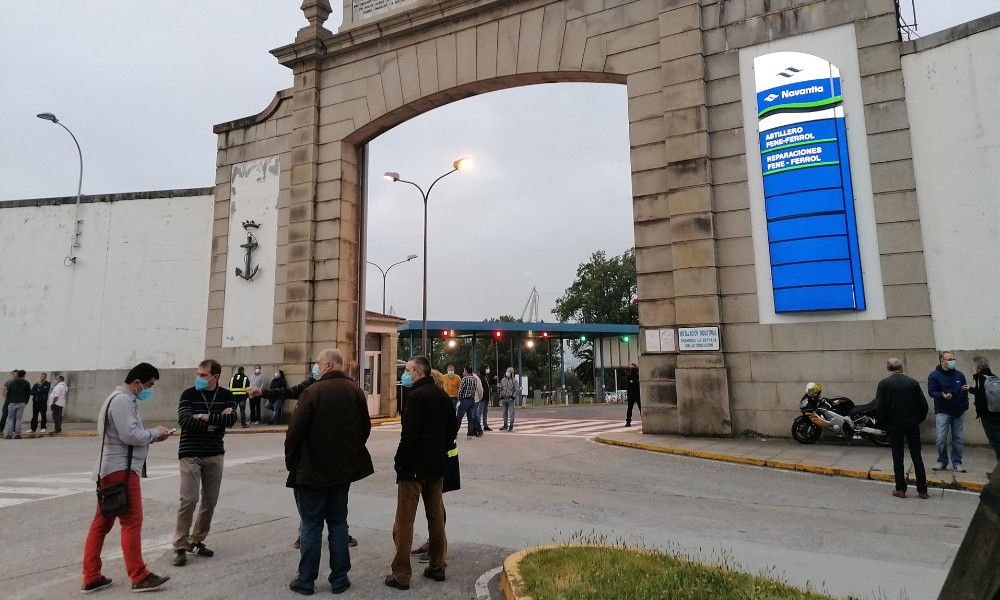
{"points": [[386, 272], [459, 165], [75, 243]]}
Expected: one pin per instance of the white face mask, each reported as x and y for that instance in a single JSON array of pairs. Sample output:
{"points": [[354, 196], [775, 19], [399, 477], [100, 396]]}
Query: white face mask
{"points": [[451, 371], [276, 374], [256, 371]]}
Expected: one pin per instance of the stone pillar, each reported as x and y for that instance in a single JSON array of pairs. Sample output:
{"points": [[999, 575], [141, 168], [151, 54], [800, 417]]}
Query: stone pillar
{"points": [[702, 387]]}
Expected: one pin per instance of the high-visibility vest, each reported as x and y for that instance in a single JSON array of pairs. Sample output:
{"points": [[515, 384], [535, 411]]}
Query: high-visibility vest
{"points": [[239, 385]]}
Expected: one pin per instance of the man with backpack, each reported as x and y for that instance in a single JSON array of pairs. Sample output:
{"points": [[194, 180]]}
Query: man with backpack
{"points": [[987, 401]]}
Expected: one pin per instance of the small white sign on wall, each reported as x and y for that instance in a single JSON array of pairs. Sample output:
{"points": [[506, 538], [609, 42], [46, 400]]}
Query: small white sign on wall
{"points": [[698, 338], [660, 340]]}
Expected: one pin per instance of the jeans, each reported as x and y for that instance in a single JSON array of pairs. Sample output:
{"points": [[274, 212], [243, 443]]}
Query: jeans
{"points": [[484, 407], [131, 537], [956, 425], [509, 404], [241, 404], [255, 409], [992, 429], [911, 438], [316, 507], [57, 417], [276, 413], [38, 408], [15, 414], [467, 408], [198, 475]]}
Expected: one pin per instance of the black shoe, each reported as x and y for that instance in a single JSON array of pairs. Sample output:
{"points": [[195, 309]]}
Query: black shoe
{"points": [[511, 428], [298, 588], [479, 434], [150, 583], [390, 581], [628, 424], [199, 549], [100, 584], [296, 544], [504, 428], [487, 428], [180, 558], [352, 543], [435, 575], [340, 589]]}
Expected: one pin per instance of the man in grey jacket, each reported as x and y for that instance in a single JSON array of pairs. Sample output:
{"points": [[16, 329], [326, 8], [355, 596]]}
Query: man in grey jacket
{"points": [[510, 392], [120, 428]]}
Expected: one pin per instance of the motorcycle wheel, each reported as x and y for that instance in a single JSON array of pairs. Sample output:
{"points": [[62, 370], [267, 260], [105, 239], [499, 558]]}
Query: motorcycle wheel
{"points": [[805, 431], [880, 440]]}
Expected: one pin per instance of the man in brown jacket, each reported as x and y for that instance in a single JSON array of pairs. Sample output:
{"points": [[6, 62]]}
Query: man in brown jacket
{"points": [[325, 452]]}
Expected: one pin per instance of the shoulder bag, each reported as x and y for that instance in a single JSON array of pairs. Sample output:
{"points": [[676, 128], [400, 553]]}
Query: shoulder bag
{"points": [[112, 499]]}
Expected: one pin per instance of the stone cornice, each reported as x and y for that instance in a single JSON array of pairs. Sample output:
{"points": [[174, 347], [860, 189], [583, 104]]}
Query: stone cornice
{"points": [[257, 118]]}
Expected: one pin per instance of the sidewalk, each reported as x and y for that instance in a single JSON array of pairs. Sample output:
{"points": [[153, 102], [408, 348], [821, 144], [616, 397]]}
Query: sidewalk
{"points": [[860, 460], [90, 429]]}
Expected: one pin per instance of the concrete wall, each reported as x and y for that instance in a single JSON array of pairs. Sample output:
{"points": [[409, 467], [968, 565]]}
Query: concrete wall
{"points": [[120, 304], [952, 88]]}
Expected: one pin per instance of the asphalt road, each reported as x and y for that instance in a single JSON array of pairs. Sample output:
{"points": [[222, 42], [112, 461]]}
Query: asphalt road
{"points": [[548, 481]]}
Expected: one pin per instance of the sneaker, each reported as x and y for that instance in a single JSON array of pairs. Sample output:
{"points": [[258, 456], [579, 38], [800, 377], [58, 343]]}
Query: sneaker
{"points": [[435, 575], [150, 583], [468, 437], [959, 468], [899, 493], [300, 588], [509, 429], [352, 543], [390, 581], [43, 430], [180, 558], [32, 432], [424, 558], [199, 549], [939, 467], [100, 584]]}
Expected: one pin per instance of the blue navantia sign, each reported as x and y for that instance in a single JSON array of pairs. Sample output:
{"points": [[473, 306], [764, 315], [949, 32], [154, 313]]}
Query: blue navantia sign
{"points": [[808, 197]]}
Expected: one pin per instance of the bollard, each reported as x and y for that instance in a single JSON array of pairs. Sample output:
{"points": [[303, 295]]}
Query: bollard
{"points": [[974, 574]]}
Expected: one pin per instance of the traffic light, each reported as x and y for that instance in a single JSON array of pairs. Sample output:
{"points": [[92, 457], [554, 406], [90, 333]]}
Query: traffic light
{"points": [[545, 334], [444, 333], [583, 338], [624, 339], [497, 334]]}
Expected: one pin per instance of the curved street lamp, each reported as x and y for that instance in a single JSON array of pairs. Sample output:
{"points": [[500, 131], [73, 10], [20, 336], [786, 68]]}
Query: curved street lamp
{"points": [[75, 242], [462, 164], [385, 272]]}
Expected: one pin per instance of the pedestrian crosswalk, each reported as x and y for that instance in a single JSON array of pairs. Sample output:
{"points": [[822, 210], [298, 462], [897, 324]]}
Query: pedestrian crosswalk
{"points": [[22, 490], [562, 428]]}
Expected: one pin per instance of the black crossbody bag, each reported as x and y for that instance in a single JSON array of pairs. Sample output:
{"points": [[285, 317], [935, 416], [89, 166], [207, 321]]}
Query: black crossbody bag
{"points": [[112, 499]]}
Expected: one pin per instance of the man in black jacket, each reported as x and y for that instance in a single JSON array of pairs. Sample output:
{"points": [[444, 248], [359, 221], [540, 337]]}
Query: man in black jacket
{"points": [[324, 453], [429, 428], [632, 389], [903, 407], [204, 412]]}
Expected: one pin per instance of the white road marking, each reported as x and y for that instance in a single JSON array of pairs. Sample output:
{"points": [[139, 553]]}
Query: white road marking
{"points": [[158, 543], [560, 428], [483, 583]]}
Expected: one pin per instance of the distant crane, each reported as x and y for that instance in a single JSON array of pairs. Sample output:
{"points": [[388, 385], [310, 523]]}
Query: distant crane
{"points": [[531, 307]]}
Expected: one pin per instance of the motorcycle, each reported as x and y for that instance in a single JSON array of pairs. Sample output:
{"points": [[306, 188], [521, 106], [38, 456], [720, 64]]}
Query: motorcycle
{"points": [[838, 416]]}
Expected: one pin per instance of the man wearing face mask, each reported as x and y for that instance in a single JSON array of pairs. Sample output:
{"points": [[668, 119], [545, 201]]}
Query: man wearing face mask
{"points": [[124, 447], [510, 391], [488, 381], [325, 453], [258, 380], [950, 391], [204, 412], [452, 382], [239, 385]]}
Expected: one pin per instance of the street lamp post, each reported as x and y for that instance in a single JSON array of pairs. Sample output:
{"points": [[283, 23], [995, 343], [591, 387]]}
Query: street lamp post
{"points": [[458, 165], [75, 243], [385, 272]]}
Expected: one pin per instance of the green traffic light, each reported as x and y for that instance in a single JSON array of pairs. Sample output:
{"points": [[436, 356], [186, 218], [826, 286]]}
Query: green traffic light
{"points": [[583, 338], [625, 339]]}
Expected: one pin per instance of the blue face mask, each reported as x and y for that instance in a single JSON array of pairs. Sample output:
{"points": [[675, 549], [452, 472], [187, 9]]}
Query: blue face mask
{"points": [[200, 383], [951, 364], [144, 394], [315, 371], [406, 380]]}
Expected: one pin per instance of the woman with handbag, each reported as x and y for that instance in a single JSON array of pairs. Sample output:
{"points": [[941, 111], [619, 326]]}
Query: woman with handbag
{"points": [[124, 447]]}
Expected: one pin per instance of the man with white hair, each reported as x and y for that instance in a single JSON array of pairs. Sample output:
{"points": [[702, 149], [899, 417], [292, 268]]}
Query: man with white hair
{"points": [[324, 453]]}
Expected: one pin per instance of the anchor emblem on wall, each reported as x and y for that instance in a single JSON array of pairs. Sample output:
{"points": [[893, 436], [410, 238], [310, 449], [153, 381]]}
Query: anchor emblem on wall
{"points": [[250, 246]]}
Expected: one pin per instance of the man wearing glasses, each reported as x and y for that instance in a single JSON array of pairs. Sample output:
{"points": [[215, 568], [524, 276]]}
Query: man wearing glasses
{"points": [[204, 413]]}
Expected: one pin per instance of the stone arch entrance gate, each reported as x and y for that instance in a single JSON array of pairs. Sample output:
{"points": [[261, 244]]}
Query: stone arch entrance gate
{"points": [[392, 60]]}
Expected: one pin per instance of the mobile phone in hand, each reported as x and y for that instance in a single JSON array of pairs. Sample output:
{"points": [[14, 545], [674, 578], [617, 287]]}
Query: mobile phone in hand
{"points": [[171, 431]]}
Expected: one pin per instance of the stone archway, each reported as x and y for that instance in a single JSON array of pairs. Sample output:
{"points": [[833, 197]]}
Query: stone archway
{"points": [[351, 86]]}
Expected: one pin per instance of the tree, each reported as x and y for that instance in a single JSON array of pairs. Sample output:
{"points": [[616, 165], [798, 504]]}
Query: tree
{"points": [[604, 291]]}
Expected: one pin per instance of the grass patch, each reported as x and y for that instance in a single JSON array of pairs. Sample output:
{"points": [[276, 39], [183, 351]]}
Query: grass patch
{"points": [[612, 573]]}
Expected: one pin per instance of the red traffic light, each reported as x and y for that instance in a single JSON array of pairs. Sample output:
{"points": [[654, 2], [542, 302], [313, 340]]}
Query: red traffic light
{"points": [[444, 333], [498, 334], [545, 334]]}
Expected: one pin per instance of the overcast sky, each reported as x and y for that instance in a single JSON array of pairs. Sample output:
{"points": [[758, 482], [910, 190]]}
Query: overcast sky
{"points": [[142, 83]]}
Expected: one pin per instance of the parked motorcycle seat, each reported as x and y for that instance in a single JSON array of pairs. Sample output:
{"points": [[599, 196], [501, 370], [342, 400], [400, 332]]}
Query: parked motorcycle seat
{"points": [[862, 409]]}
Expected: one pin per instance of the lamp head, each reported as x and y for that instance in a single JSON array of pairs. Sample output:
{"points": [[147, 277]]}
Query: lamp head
{"points": [[391, 176], [411, 257], [463, 164], [48, 117]]}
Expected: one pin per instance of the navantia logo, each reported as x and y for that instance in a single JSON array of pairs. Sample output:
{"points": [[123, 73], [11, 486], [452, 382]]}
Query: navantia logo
{"points": [[771, 97]]}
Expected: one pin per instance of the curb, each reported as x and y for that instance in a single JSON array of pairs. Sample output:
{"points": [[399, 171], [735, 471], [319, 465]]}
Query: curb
{"points": [[954, 484], [274, 429]]}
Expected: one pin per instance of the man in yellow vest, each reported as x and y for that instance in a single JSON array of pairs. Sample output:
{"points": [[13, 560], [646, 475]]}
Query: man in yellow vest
{"points": [[239, 385]]}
